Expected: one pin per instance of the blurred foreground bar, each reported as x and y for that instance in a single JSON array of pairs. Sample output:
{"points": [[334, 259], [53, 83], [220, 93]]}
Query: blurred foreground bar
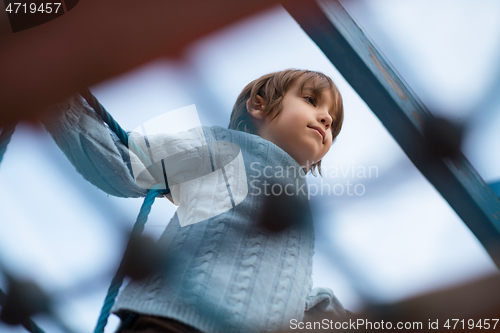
{"points": [[98, 40], [403, 114], [471, 307]]}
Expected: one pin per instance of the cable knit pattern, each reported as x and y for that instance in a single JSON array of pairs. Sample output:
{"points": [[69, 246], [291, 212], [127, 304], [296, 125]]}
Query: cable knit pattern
{"points": [[244, 275], [283, 281], [203, 263], [224, 274]]}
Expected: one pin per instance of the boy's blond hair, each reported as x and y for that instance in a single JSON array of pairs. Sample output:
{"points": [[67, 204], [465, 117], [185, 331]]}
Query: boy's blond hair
{"points": [[273, 87]]}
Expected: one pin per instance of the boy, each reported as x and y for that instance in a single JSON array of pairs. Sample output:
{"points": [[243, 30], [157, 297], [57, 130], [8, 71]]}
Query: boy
{"points": [[228, 274], [258, 107]]}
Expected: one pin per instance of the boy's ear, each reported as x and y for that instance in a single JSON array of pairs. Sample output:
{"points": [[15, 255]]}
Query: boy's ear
{"points": [[256, 108]]}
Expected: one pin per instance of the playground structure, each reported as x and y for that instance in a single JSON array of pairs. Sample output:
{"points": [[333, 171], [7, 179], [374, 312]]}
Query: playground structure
{"points": [[401, 112]]}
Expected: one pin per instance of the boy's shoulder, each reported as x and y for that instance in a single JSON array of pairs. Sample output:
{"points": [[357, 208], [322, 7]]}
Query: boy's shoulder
{"points": [[218, 133]]}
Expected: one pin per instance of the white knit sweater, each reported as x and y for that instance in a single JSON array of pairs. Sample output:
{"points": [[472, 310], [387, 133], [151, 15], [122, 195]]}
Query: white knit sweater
{"points": [[227, 274]]}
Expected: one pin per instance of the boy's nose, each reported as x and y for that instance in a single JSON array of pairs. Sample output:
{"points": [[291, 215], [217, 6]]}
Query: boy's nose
{"points": [[325, 119]]}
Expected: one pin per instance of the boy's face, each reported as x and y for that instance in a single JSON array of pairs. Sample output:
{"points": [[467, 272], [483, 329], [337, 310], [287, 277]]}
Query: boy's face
{"points": [[303, 126]]}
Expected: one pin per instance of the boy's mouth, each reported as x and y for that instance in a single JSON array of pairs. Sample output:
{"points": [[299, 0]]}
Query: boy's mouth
{"points": [[320, 131]]}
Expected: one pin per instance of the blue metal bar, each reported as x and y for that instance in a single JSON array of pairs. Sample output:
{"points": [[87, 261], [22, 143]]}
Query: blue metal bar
{"points": [[495, 187], [403, 114]]}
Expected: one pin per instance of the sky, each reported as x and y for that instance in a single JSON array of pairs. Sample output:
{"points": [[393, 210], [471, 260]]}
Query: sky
{"points": [[393, 238]]}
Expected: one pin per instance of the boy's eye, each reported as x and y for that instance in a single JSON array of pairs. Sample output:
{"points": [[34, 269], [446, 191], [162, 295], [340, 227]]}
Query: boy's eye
{"points": [[310, 100]]}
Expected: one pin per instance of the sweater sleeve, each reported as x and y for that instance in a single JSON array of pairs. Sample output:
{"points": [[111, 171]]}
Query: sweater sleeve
{"points": [[323, 301], [92, 148]]}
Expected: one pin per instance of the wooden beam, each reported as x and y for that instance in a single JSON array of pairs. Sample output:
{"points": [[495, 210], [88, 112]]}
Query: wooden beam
{"points": [[403, 114], [98, 40]]}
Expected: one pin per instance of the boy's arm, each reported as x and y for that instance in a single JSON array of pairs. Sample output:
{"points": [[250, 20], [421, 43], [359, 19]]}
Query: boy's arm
{"points": [[91, 147]]}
